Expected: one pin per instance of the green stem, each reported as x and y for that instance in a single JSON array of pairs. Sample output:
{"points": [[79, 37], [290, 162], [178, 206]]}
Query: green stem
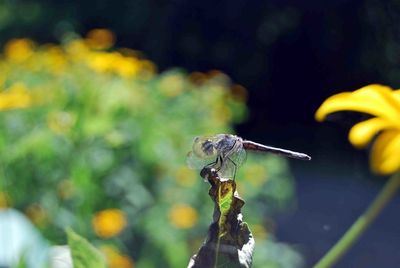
{"points": [[362, 223]]}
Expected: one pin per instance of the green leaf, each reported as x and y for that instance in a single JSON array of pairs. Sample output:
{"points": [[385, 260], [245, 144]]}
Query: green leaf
{"points": [[84, 255]]}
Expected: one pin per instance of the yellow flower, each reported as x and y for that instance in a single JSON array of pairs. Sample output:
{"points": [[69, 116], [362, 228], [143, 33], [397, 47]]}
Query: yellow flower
{"points": [[66, 189], [259, 232], [148, 69], [115, 259], [221, 113], [172, 85], [102, 61], [2, 76], [255, 174], [77, 50], [183, 216], [185, 176], [127, 66], [37, 214], [18, 50], [54, 58], [100, 39], [5, 201], [109, 222], [383, 103], [16, 96]]}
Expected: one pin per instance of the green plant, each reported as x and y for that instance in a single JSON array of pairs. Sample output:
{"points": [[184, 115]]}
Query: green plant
{"points": [[101, 142]]}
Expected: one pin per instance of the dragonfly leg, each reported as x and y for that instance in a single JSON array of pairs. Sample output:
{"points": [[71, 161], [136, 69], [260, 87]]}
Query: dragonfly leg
{"points": [[214, 164], [221, 163]]}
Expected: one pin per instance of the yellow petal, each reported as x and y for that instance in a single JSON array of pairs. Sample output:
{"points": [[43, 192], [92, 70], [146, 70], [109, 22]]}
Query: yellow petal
{"points": [[377, 100], [183, 216], [385, 155], [362, 133]]}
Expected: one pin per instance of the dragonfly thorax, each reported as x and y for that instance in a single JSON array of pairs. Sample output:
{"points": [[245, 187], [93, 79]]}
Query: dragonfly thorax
{"points": [[227, 143]]}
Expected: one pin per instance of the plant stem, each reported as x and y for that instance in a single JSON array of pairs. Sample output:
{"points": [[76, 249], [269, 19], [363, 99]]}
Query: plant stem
{"points": [[362, 223]]}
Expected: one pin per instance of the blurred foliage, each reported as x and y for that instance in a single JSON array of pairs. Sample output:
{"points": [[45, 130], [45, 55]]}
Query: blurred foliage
{"points": [[207, 34], [100, 146], [343, 44], [83, 254]]}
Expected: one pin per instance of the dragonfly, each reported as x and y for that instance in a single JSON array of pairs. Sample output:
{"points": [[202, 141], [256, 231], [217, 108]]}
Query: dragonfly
{"points": [[226, 152]]}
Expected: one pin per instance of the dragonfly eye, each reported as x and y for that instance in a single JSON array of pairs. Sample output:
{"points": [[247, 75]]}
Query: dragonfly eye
{"points": [[204, 148]]}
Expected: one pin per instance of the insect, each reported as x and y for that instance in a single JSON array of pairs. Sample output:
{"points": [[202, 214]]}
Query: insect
{"points": [[226, 152]]}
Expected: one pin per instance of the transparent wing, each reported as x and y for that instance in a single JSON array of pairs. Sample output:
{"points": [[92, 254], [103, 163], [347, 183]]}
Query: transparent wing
{"points": [[239, 157], [203, 152], [231, 164], [196, 162], [204, 146]]}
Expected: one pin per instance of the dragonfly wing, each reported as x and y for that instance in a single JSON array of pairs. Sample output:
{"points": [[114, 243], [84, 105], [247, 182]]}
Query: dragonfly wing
{"points": [[231, 164], [196, 162], [239, 157], [204, 146]]}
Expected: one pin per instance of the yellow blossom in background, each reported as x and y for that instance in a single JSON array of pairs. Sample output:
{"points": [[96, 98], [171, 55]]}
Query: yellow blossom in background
{"points": [[5, 201], [54, 58], [66, 189], [114, 62], [383, 103], [183, 216], [126, 63], [255, 174], [148, 68], [115, 259], [17, 96], [77, 50], [2, 77], [222, 114], [100, 39], [185, 176], [102, 61], [18, 50], [127, 66], [37, 214], [108, 223], [172, 85], [259, 232]]}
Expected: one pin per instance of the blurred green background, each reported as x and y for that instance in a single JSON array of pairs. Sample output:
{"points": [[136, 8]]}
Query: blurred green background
{"points": [[106, 117], [95, 139]]}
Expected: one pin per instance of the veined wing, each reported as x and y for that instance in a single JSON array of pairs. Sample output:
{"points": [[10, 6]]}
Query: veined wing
{"points": [[203, 152], [231, 163], [205, 146], [195, 162]]}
